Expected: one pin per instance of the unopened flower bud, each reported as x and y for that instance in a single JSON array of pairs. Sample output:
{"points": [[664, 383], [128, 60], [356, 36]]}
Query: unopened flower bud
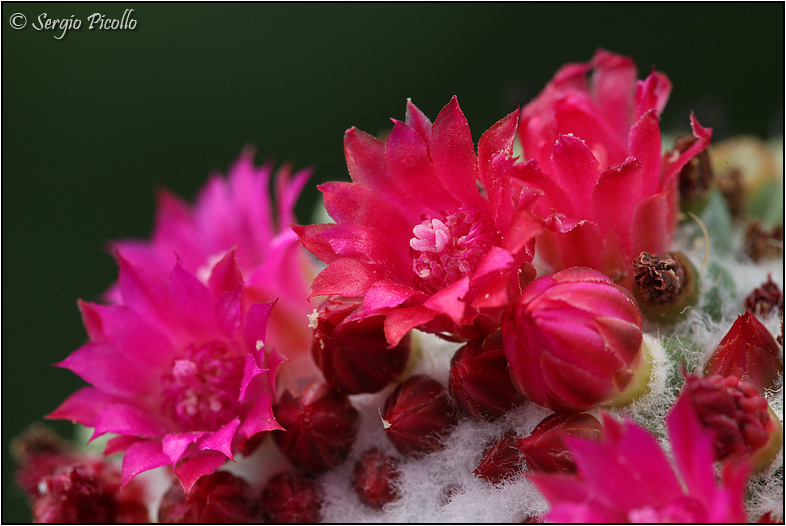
{"points": [[320, 426], [216, 498], [375, 478], [480, 381], [749, 352], [545, 449], [664, 285], [765, 299], [501, 460], [574, 341], [417, 416], [695, 178], [736, 414], [352, 352], [290, 498]]}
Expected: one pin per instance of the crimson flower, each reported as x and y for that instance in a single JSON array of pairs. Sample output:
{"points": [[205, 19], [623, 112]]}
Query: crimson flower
{"points": [[595, 151], [626, 477], [179, 370], [429, 233]]}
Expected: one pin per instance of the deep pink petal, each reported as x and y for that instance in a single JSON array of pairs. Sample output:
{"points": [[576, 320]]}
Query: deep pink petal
{"points": [[314, 239], [418, 122], [453, 154], [653, 225], [644, 144], [495, 141], [192, 469], [175, 445], [673, 164], [524, 226], [142, 456], [619, 185], [120, 444], [357, 204], [372, 246], [386, 293], [652, 93], [192, 303], [554, 197], [225, 275], [260, 417], [123, 419], [143, 292], [613, 81], [450, 300], [255, 324], [346, 277], [221, 439], [631, 460], [692, 448], [412, 171], [110, 370], [575, 170], [83, 406], [287, 193], [400, 321]]}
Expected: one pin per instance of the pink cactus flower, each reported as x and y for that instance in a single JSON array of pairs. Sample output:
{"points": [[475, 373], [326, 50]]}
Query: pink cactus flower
{"points": [[179, 370], [430, 233], [573, 340], [626, 477], [594, 149], [238, 212]]}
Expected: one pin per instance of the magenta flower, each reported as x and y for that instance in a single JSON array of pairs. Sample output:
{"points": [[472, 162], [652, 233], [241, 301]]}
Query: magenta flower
{"points": [[179, 371], [626, 477], [595, 151], [429, 233], [238, 212], [573, 340]]}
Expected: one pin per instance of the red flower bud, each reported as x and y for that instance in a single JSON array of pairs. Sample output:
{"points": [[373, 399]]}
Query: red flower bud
{"points": [[320, 427], [417, 414], [501, 460], [375, 478], [749, 352], [352, 352], [291, 498], [65, 485], [734, 411], [765, 299], [545, 449], [573, 340], [216, 498], [479, 379]]}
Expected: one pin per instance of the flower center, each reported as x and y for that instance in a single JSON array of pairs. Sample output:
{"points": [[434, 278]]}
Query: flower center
{"points": [[202, 391], [444, 251]]}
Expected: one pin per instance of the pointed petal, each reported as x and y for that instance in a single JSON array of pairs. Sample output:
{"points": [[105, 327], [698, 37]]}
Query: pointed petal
{"points": [[315, 239], [619, 185], [575, 170], [613, 79], [192, 469], [450, 300], [346, 277], [652, 93], [120, 444], [83, 406], [221, 439], [192, 303], [644, 144], [418, 122], [259, 418], [386, 293], [653, 224], [142, 456], [400, 321], [225, 275], [453, 154], [110, 370], [255, 324], [495, 141], [175, 445], [143, 292], [124, 419]]}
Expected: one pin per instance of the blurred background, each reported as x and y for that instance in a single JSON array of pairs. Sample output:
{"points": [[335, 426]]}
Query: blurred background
{"points": [[94, 122]]}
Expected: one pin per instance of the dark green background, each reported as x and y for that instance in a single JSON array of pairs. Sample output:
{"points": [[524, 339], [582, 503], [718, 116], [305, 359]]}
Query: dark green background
{"points": [[94, 122]]}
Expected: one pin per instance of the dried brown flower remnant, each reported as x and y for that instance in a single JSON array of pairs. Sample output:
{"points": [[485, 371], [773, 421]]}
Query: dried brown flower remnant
{"points": [[664, 284], [659, 278], [761, 243], [765, 299], [696, 176]]}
